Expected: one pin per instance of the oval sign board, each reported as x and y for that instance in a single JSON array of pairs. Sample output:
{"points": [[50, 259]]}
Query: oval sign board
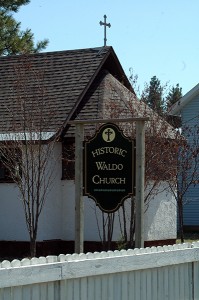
{"points": [[109, 167]]}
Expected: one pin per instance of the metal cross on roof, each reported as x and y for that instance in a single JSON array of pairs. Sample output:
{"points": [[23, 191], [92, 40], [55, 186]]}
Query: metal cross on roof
{"points": [[105, 25]]}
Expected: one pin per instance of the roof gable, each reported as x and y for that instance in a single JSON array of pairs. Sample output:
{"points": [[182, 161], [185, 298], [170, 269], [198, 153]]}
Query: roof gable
{"points": [[110, 99], [185, 100], [58, 79]]}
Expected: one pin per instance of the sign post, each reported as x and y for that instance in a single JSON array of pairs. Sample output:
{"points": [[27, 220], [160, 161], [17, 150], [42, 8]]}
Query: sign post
{"points": [[123, 190], [79, 204], [140, 175]]}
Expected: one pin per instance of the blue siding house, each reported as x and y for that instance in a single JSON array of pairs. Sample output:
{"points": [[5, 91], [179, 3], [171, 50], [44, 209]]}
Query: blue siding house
{"points": [[188, 108]]}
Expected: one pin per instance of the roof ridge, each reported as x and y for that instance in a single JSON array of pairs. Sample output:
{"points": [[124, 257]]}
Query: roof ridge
{"points": [[99, 50]]}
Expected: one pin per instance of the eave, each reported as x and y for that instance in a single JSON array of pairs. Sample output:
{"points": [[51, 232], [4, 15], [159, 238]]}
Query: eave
{"points": [[176, 109]]}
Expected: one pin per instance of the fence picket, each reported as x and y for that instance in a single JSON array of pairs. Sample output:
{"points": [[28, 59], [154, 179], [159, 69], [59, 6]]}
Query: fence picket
{"points": [[160, 284], [91, 288], [195, 288], [143, 291], [171, 282], [36, 292], [98, 288], [111, 287], [28, 292], [131, 286], [176, 286], [25, 262], [148, 284], [68, 290], [154, 280], [50, 291], [43, 291], [63, 295], [138, 285], [5, 264], [123, 286], [76, 289], [104, 280], [83, 288], [15, 263], [165, 284], [6, 294], [166, 273]]}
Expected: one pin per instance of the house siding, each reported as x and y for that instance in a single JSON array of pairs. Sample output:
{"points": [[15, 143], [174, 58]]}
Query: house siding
{"points": [[190, 117]]}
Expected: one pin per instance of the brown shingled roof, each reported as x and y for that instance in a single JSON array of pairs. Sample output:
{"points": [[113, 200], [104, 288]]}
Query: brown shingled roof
{"points": [[56, 81]]}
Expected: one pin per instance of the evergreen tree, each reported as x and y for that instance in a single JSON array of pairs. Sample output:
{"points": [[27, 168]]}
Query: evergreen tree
{"points": [[12, 5], [12, 39], [174, 95], [153, 95]]}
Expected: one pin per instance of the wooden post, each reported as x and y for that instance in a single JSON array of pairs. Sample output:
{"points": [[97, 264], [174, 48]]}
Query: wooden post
{"points": [[140, 174], [79, 205]]}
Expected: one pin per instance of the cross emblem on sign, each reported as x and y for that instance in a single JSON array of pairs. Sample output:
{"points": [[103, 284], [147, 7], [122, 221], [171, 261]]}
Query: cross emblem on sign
{"points": [[108, 132], [105, 25], [108, 135]]}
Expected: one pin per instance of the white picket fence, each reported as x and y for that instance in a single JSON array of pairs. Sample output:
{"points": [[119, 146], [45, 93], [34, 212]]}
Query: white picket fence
{"points": [[162, 273]]}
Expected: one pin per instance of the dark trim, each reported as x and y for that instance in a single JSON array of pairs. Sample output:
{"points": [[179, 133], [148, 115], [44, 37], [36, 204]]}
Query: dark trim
{"points": [[7, 181], [191, 228], [20, 249], [159, 243]]}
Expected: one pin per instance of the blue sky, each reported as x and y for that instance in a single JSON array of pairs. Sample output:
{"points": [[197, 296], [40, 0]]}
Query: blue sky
{"points": [[152, 37]]}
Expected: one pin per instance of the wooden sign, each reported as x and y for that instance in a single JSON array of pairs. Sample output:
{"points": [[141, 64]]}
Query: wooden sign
{"points": [[109, 167]]}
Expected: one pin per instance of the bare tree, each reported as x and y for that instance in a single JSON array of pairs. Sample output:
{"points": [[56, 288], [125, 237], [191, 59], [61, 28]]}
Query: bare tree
{"points": [[171, 158], [160, 165], [27, 143], [187, 166]]}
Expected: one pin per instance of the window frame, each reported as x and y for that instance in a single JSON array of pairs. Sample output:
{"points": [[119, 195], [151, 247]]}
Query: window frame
{"points": [[8, 177]]}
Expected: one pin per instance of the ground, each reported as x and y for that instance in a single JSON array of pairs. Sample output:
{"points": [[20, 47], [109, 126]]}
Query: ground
{"points": [[190, 237]]}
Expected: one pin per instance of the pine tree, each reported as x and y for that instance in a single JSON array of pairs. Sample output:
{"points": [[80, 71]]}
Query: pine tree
{"points": [[12, 39], [174, 95], [12, 5], [153, 95]]}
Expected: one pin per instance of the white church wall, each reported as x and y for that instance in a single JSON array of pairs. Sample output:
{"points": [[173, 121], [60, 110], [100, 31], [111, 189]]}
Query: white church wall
{"points": [[57, 220], [50, 222], [159, 217], [68, 211], [12, 221], [12, 217]]}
